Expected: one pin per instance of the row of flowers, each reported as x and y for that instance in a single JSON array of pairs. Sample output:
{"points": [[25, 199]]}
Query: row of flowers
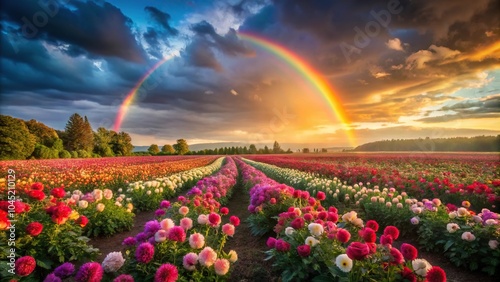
{"points": [[89, 174], [267, 198], [315, 243], [427, 218], [448, 177], [184, 242], [147, 195]]}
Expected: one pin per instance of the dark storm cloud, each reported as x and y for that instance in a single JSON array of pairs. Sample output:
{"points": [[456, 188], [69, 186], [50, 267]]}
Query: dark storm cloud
{"points": [[198, 53], [229, 44], [487, 108], [158, 35], [100, 29], [161, 18]]}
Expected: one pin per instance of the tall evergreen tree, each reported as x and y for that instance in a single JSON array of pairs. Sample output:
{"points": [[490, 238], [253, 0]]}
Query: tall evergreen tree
{"points": [[276, 148], [79, 135], [252, 149], [87, 136]]}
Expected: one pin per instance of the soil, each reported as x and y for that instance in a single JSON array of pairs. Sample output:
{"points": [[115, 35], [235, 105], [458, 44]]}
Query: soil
{"points": [[114, 243], [250, 249]]}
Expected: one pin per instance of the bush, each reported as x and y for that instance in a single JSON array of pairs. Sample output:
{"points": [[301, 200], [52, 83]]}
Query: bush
{"points": [[74, 154], [64, 154], [44, 152], [83, 154]]}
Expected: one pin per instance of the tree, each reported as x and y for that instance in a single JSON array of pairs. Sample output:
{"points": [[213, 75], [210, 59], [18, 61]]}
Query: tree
{"points": [[153, 149], [87, 136], [252, 149], [305, 150], [276, 148], [102, 142], [43, 134], [168, 149], [79, 135], [16, 141], [181, 147], [266, 150], [121, 143]]}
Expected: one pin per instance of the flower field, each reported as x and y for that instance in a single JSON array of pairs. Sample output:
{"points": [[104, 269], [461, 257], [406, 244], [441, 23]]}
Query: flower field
{"points": [[324, 219], [449, 177], [89, 174]]}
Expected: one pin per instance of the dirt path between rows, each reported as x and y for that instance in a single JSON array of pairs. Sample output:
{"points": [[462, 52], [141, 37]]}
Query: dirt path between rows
{"points": [[250, 265]]}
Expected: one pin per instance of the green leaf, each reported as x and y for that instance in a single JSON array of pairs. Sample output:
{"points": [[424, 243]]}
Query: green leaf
{"points": [[448, 245], [44, 263]]}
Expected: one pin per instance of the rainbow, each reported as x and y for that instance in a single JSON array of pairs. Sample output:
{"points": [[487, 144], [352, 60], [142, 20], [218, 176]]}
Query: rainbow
{"points": [[129, 99], [311, 75]]}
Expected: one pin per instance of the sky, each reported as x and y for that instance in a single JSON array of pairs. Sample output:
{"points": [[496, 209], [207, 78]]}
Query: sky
{"points": [[394, 69]]}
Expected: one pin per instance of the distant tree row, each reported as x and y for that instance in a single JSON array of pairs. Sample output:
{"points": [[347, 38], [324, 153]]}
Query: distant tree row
{"points": [[456, 144], [21, 139], [179, 148], [252, 149]]}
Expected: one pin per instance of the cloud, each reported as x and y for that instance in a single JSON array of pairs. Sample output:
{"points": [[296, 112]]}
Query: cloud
{"points": [[99, 29], [161, 18], [488, 107], [395, 44], [198, 53], [421, 58], [228, 44]]}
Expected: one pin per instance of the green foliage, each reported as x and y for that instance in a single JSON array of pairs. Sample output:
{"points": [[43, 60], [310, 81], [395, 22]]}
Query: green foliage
{"points": [[473, 144], [78, 134], [103, 142], [57, 243], [74, 154], [16, 142], [43, 134], [474, 251], [111, 220], [43, 152], [276, 148], [83, 154], [58, 145], [168, 149], [64, 154], [181, 147], [153, 149], [121, 143]]}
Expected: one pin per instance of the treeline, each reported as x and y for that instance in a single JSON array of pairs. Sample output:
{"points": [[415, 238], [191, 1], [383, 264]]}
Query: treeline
{"points": [[455, 144], [181, 147], [252, 149], [21, 139]]}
